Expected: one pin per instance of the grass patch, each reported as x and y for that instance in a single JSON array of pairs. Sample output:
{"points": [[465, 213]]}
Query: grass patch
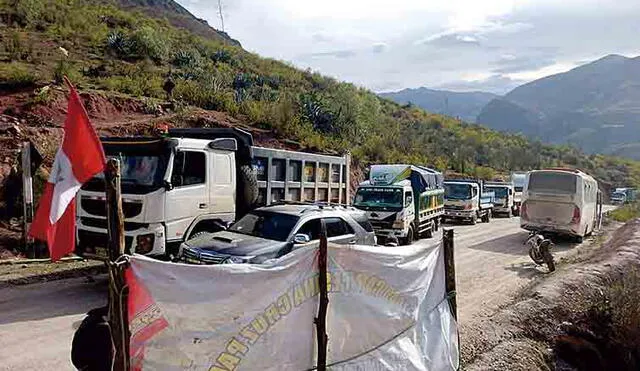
{"points": [[626, 212], [17, 75]]}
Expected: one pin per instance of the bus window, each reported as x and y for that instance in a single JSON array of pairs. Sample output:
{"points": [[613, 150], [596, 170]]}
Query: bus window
{"points": [[552, 181]]}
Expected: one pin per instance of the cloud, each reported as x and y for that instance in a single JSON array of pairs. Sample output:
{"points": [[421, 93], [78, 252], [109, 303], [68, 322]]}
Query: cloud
{"points": [[461, 44], [379, 48], [496, 84]]}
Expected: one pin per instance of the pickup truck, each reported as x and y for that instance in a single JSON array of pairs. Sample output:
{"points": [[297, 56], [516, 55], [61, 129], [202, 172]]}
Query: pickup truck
{"points": [[467, 200]]}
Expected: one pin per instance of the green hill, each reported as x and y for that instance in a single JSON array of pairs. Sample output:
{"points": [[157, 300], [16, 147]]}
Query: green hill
{"points": [[118, 48]]}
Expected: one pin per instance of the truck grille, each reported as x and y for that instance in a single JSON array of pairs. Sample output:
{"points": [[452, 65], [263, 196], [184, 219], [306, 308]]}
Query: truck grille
{"points": [[99, 207], [88, 240], [102, 224], [203, 257], [381, 224], [454, 207]]}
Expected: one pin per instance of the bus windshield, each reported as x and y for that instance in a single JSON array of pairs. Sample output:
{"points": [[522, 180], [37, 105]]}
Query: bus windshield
{"points": [[378, 198], [454, 191], [557, 182]]}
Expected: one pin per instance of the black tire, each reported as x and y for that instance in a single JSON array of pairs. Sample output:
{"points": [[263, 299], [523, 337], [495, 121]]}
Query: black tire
{"points": [[409, 239], [486, 218], [548, 258], [429, 232], [436, 223], [247, 190], [578, 239], [516, 212], [536, 259]]}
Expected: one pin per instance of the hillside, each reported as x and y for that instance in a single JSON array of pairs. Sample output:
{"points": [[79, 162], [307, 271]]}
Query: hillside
{"points": [[595, 106], [464, 105], [120, 58]]}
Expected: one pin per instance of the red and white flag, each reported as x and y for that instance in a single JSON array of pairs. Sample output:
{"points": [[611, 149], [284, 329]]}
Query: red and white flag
{"points": [[78, 159]]}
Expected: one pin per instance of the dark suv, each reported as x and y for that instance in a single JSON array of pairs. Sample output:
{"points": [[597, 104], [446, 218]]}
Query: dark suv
{"points": [[273, 231]]}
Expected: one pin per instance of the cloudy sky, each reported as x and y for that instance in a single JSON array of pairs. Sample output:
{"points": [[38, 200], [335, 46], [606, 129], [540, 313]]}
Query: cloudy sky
{"points": [[386, 45]]}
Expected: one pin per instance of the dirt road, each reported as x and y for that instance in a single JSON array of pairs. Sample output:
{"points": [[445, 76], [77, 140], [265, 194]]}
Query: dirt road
{"points": [[36, 321]]}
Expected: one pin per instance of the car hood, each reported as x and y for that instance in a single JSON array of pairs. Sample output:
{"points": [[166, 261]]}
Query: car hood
{"points": [[237, 244]]}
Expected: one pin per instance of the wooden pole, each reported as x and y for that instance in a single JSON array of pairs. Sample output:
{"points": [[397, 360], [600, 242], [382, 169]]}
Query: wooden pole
{"points": [[27, 195], [118, 317], [450, 270], [321, 320]]}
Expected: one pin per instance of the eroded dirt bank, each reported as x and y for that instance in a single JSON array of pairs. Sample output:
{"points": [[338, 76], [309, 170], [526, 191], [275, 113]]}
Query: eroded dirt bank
{"points": [[586, 316]]}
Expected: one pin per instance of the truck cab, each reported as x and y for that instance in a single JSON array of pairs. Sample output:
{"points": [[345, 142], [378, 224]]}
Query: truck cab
{"points": [[467, 200], [504, 198], [168, 186]]}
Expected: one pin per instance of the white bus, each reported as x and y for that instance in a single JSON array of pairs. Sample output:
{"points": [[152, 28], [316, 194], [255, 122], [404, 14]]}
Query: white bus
{"points": [[562, 201]]}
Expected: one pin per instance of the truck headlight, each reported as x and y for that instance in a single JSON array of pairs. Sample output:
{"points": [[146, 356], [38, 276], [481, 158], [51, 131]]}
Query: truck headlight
{"points": [[398, 224]]}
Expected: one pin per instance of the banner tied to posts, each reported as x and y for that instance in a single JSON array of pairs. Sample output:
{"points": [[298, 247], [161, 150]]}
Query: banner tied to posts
{"points": [[387, 311]]}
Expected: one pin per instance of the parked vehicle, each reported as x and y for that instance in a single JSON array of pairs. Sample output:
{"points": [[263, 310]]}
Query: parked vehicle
{"points": [[518, 179], [540, 250], [561, 201], [623, 195], [195, 181], [468, 200], [504, 201], [404, 201], [272, 231]]}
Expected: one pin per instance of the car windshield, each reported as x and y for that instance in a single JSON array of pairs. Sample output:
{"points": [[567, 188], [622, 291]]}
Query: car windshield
{"points": [[371, 198], [500, 192], [618, 195], [557, 182], [454, 191], [266, 224]]}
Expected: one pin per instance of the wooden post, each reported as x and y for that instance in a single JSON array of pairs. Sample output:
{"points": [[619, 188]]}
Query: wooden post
{"points": [[449, 269], [118, 317], [321, 320], [27, 194]]}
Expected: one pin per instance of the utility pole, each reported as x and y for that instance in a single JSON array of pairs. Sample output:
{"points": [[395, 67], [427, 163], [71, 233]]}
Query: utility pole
{"points": [[221, 15], [321, 320], [27, 194]]}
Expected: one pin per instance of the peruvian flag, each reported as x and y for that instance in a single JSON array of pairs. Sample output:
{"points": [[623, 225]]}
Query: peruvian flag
{"points": [[78, 159]]}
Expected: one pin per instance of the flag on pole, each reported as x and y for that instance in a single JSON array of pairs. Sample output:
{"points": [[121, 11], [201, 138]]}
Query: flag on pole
{"points": [[78, 159]]}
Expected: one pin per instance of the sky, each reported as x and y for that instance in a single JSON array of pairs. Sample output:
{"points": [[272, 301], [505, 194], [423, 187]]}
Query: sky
{"points": [[461, 45]]}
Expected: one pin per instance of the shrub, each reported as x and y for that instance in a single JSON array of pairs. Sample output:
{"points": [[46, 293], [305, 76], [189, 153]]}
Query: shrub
{"points": [[148, 42], [626, 212], [185, 58], [16, 75]]}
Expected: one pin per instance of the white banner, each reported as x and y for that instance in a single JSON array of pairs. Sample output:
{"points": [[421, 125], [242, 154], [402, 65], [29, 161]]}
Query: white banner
{"points": [[387, 311]]}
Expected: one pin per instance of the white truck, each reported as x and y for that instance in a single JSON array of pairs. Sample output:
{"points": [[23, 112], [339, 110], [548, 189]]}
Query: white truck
{"points": [[403, 201], [467, 200], [199, 180], [504, 201], [518, 179]]}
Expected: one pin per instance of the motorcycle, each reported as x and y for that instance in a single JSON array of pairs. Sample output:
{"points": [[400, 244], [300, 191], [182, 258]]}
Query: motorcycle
{"points": [[540, 250]]}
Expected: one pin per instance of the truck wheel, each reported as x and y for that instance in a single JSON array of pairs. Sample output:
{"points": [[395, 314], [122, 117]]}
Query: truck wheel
{"points": [[247, 194], [509, 214], [474, 219], [409, 239], [516, 212], [436, 224], [429, 232]]}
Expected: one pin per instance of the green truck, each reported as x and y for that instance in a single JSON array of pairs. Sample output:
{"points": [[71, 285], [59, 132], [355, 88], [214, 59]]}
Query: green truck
{"points": [[403, 201]]}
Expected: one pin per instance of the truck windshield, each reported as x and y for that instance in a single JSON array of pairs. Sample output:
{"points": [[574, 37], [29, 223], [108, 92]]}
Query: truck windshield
{"points": [[266, 224], [557, 182], [378, 198], [457, 191], [139, 174], [500, 192]]}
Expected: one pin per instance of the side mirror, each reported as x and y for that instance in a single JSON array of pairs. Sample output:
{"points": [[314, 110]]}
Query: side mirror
{"points": [[168, 185], [408, 200], [301, 238]]}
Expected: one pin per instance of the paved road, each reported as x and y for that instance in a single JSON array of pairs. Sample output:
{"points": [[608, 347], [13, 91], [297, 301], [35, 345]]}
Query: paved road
{"points": [[36, 321]]}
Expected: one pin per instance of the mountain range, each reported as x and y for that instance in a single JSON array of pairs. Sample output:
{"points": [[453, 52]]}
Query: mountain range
{"points": [[595, 107], [464, 105]]}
